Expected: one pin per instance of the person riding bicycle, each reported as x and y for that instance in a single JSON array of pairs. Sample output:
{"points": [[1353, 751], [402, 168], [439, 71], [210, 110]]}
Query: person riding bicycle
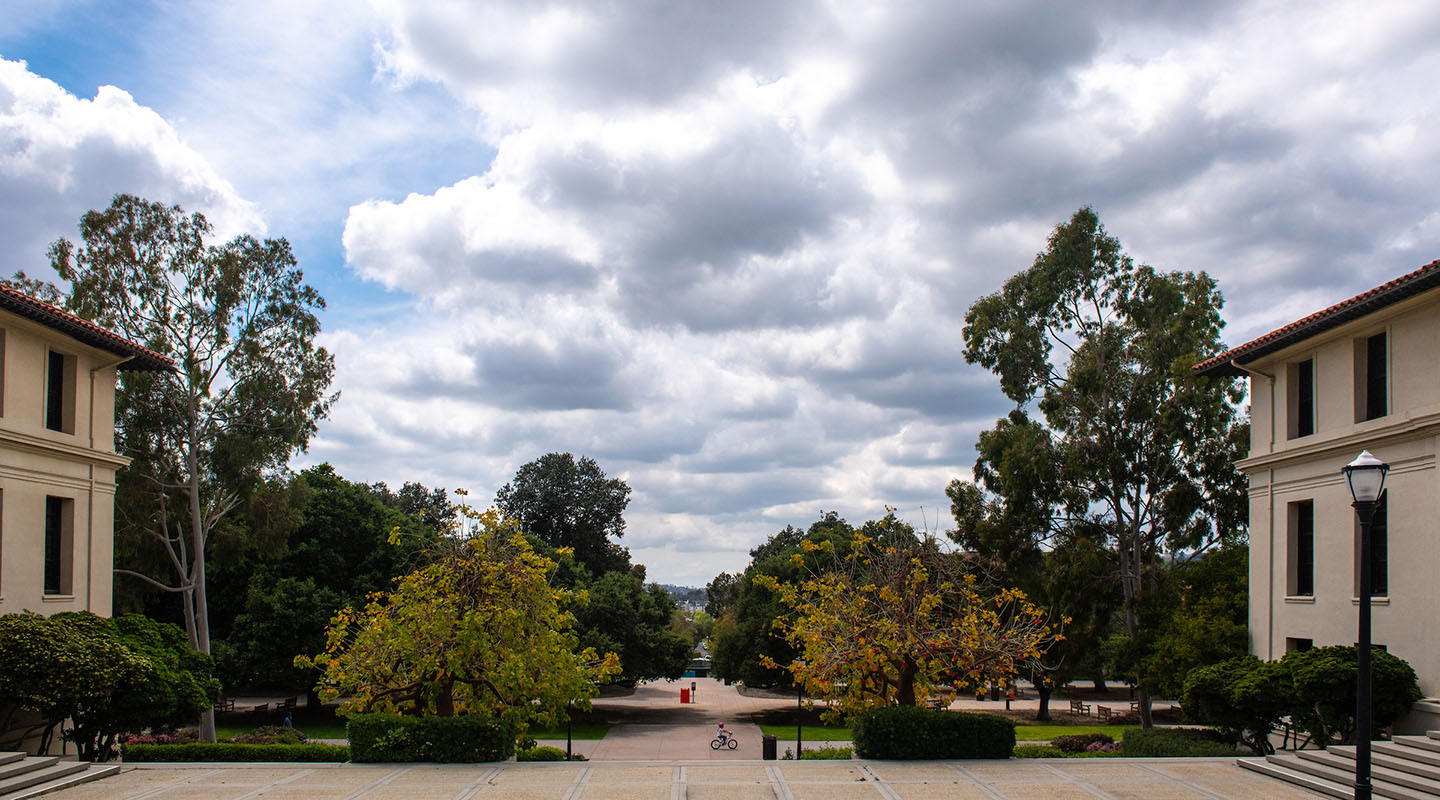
{"points": [[721, 733]]}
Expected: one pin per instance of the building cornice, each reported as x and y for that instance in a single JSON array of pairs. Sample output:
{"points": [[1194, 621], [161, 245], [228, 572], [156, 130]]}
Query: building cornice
{"points": [[1346, 444], [27, 443]]}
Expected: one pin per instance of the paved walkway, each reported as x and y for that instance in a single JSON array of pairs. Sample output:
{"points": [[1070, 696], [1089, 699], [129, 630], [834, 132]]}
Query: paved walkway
{"points": [[1111, 779]]}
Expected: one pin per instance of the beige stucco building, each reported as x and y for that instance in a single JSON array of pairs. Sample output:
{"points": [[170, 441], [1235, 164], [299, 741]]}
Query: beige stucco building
{"points": [[57, 456], [1361, 375]]}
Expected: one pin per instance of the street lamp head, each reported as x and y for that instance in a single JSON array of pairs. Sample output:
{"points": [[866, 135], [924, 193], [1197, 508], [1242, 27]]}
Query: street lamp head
{"points": [[1366, 475]]}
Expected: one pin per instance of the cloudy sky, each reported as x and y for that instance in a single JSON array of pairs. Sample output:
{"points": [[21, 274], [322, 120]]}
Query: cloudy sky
{"points": [[724, 248]]}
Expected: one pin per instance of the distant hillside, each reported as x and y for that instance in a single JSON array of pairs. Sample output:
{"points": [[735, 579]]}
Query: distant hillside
{"points": [[686, 596]]}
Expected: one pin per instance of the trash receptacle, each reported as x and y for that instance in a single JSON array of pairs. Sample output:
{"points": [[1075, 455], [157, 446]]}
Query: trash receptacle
{"points": [[684, 695], [767, 747]]}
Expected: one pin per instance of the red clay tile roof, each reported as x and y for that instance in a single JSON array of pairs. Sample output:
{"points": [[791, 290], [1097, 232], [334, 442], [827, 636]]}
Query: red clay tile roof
{"points": [[1386, 294], [89, 333]]}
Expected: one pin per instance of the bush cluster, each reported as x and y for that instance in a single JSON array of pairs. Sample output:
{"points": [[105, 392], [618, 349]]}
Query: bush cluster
{"points": [[445, 740], [826, 753], [1247, 698], [1176, 743], [540, 753], [1079, 742], [230, 751], [907, 732], [1038, 751]]}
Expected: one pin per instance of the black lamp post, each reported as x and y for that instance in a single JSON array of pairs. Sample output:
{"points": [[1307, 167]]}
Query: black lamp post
{"points": [[1366, 475]]}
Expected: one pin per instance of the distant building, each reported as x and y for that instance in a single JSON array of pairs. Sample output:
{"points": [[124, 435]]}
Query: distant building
{"points": [[1363, 374], [57, 455]]}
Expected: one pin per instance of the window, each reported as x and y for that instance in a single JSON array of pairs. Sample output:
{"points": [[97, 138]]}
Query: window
{"points": [[1294, 645], [1301, 380], [1379, 550], [59, 541], [1301, 581], [60, 393], [1372, 387]]}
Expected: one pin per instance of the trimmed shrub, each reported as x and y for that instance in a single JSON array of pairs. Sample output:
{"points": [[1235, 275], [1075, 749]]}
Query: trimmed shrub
{"points": [[444, 740], [1079, 742], [1038, 751], [1324, 679], [908, 732], [1176, 743], [541, 753], [826, 753], [230, 752]]}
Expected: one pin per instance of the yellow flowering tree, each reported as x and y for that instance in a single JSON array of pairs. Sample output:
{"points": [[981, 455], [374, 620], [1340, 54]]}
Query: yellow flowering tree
{"points": [[894, 618], [480, 630]]}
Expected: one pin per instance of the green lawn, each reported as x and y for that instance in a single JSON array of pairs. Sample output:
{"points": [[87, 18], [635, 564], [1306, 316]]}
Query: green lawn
{"points": [[1044, 733], [580, 730], [810, 733]]}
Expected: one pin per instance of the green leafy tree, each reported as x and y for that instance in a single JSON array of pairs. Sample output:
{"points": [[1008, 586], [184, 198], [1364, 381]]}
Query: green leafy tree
{"points": [[108, 676], [1324, 679], [747, 646], [1209, 623], [1141, 448], [625, 617], [480, 630], [567, 502], [721, 594], [240, 324]]}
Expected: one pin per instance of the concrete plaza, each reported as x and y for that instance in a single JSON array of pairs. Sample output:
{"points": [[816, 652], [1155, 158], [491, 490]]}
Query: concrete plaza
{"points": [[659, 749]]}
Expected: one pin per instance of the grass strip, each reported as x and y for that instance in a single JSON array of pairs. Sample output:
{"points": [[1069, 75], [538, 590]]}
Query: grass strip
{"points": [[1044, 733], [810, 733]]}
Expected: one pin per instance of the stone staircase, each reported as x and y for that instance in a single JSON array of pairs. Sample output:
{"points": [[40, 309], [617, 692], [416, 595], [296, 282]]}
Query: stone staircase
{"points": [[23, 776], [1405, 768]]}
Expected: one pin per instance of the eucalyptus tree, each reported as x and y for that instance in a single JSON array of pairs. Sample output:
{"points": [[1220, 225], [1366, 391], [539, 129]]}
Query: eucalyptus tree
{"points": [[251, 385], [1141, 450]]}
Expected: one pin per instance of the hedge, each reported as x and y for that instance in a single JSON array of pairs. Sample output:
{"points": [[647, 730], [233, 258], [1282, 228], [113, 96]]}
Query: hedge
{"points": [[825, 753], [908, 732], [1176, 742], [541, 753], [229, 751], [464, 739]]}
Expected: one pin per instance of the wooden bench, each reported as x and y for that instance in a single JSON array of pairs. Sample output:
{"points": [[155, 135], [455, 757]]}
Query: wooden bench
{"points": [[1103, 713], [261, 710], [937, 703], [224, 704], [1135, 706], [1077, 707]]}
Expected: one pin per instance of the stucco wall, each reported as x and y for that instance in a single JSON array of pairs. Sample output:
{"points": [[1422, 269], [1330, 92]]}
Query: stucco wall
{"points": [[36, 462]]}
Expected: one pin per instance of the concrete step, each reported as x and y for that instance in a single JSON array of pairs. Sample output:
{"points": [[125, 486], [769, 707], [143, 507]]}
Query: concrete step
{"points": [[87, 773], [1398, 749], [18, 785], [1388, 759], [1394, 771], [1304, 780], [1433, 734], [1418, 742], [24, 765], [1329, 779], [6, 758]]}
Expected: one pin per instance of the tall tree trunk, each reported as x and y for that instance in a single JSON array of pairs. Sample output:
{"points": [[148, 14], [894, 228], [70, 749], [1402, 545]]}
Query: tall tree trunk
{"points": [[200, 614], [907, 683]]}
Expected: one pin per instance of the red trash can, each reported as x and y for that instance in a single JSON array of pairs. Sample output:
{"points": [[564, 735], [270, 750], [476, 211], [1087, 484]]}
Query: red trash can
{"points": [[684, 695]]}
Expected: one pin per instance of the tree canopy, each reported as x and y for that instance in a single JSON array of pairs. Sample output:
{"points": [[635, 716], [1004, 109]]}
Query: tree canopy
{"points": [[895, 617], [567, 502], [480, 630], [239, 322], [1133, 447]]}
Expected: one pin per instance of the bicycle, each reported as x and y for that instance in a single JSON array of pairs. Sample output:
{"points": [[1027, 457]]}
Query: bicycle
{"points": [[727, 741]]}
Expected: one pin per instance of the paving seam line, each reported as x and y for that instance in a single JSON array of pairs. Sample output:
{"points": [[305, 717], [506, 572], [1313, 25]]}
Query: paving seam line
{"points": [[1078, 781], [475, 785], [287, 779], [778, 784], [578, 785], [984, 785], [1183, 782], [162, 789], [879, 784], [390, 778], [678, 778]]}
